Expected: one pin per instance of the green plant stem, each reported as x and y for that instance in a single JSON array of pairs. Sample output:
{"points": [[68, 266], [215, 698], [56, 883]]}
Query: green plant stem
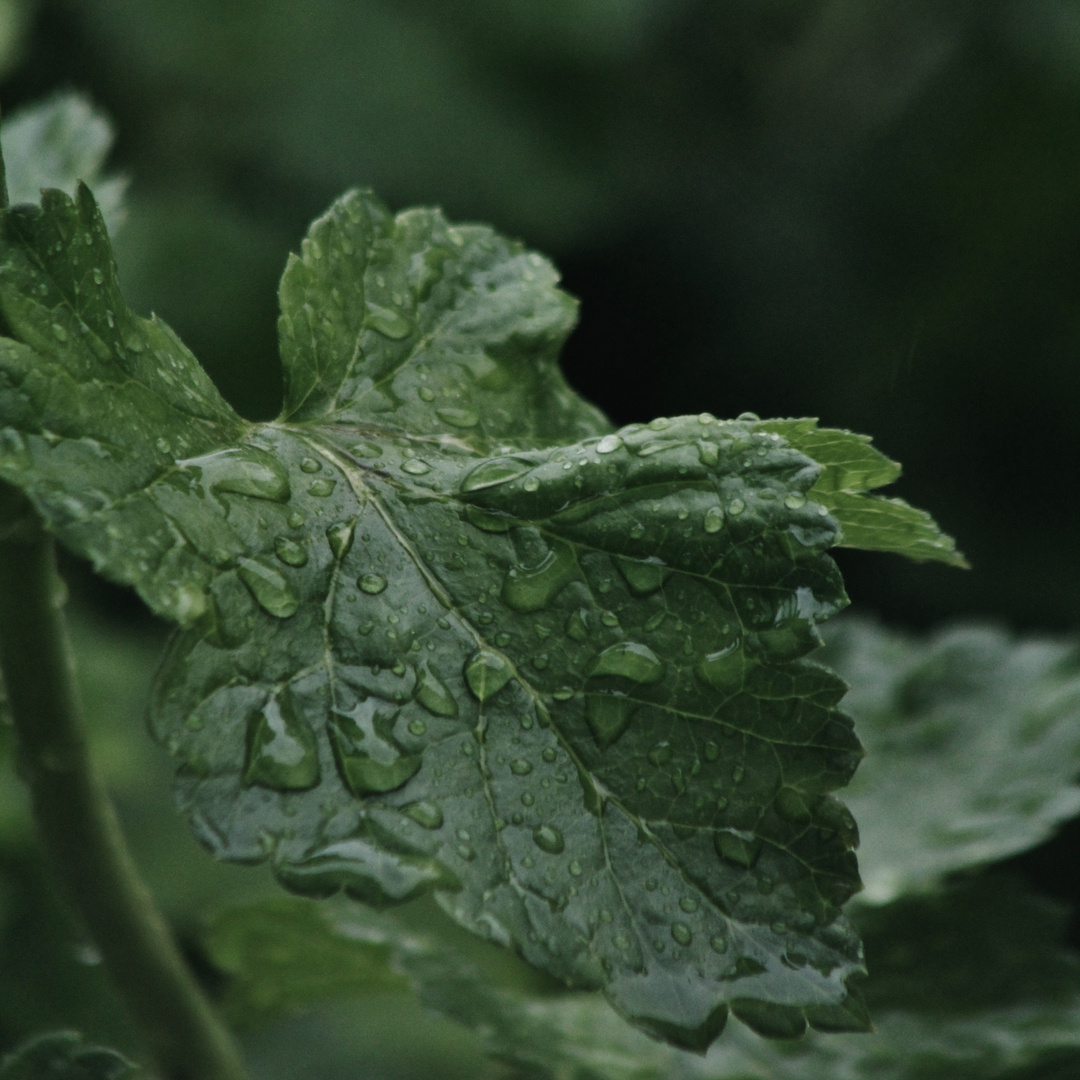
{"points": [[76, 818]]}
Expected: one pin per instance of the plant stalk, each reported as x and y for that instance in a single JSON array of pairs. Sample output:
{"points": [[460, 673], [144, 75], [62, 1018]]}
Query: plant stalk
{"points": [[76, 818]]}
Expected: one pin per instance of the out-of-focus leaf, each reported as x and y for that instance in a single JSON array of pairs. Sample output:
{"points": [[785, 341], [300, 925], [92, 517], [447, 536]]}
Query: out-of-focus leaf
{"points": [[969, 984], [64, 1055], [55, 144], [973, 747]]}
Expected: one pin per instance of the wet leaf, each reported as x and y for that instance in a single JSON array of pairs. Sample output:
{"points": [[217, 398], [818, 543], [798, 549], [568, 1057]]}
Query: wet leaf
{"points": [[973, 747], [445, 630], [63, 1055]]}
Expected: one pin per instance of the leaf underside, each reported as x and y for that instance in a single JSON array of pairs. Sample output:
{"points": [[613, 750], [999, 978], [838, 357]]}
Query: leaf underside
{"points": [[442, 628]]}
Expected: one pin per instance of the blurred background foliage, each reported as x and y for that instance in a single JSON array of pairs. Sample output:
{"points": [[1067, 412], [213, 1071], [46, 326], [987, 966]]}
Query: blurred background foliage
{"points": [[862, 210]]}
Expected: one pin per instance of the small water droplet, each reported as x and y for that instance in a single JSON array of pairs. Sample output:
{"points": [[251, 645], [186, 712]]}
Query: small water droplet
{"points": [[548, 838], [712, 750], [60, 333], [736, 846], [322, 487], [426, 393], [98, 276], [629, 660], [372, 584], [724, 670], [644, 576], [466, 852], [609, 618], [608, 444], [718, 943], [688, 904], [748, 417], [487, 673], [270, 588], [459, 418], [661, 753], [738, 773], [608, 716], [531, 484], [575, 868], [520, 767], [389, 323], [416, 467], [296, 519], [489, 473], [794, 500], [290, 552], [528, 589], [681, 933], [714, 519], [417, 727], [433, 694], [736, 507], [425, 813], [527, 799], [340, 538], [365, 450], [310, 465]]}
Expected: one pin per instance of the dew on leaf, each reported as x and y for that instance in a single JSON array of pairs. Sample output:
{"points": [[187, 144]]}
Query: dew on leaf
{"points": [[372, 584], [681, 933], [425, 393], [487, 673], [281, 748], [459, 418], [609, 618], [718, 943], [290, 552], [723, 670], [60, 333], [630, 660], [424, 813], [520, 767], [644, 576], [575, 868], [577, 626], [296, 519], [548, 838], [310, 465], [489, 473], [527, 799], [340, 538], [389, 323], [531, 484], [714, 519], [417, 727], [416, 467], [466, 852], [794, 500], [608, 716], [270, 587], [365, 450], [322, 487], [736, 846], [736, 507], [661, 753], [433, 694], [368, 758], [688, 904], [242, 470], [608, 444], [533, 588]]}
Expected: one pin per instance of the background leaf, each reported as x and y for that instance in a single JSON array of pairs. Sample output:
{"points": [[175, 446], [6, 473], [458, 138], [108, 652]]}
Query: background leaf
{"points": [[63, 1056]]}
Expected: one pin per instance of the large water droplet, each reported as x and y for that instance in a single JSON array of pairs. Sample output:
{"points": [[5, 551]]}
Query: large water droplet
{"points": [[736, 846], [322, 487], [281, 749], [708, 453], [520, 767], [548, 838], [372, 584], [527, 589], [290, 552], [630, 660], [433, 695], [724, 670], [643, 576], [487, 673], [794, 500], [364, 871], [496, 471], [416, 467], [389, 323], [425, 813], [368, 757], [608, 444], [270, 588], [681, 933], [608, 716], [242, 470], [714, 519], [340, 538], [460, 418], [309, 465], [736, 507], [365, 450]]}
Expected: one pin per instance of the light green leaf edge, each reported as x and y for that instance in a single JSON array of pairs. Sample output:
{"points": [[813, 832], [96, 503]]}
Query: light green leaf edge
{"points": [[973, 747], [135, 430], [853, 467]]}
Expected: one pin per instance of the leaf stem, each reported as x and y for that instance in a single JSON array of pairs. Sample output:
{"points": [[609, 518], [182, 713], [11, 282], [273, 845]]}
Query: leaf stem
{"points": [[76, 818]]}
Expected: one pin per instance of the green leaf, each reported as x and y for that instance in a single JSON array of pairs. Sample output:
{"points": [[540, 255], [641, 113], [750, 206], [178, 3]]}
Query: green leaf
{"points": [[56, 143], [970, 984], [851, 468], [63, 1055], [973, 748], [446, 630]]}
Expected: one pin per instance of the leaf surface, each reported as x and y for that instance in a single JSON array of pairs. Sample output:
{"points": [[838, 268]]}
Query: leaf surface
{"points": [[444, 629], [63, 1055], [973, 747]]}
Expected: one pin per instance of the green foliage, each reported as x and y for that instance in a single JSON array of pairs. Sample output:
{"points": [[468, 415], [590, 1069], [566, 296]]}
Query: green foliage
{"points": [[445, 629], [63, 1056]]}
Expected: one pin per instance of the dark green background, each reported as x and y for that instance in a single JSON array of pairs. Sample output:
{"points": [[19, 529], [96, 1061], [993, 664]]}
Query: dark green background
{"points": [[863, 210]]}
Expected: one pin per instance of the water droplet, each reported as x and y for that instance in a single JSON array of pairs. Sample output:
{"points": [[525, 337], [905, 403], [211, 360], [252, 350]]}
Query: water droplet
{"points": [[736, 846], [365, 450], [688, 904], [370, 760], [609, 618], [290, 552], [608, 716], [310, 465], [466, 852], [712, 750], [321, 488], [340, 538], [425, 813], [653, 622], [417, 727], [487, 673], [643, 576], [527, 799], [577, 626], [714, 519], [372, 584], [98, 276], [629, 660], [533, 588], [496, 471], [718, 943], [282, 752], [794, 500], [738, 773], [681, 933], [520, 767], [721, 804], [574, 868], [724, 670], [242, 470], [548, 838], [269, 587], [296, 519], [661, 753], [748, 417], [637, 531], [426, 393], [608, 444], [791, 806], [60, 333], [433, 695], [531, 483], [459, 418], [736, 507], [416, 467], [389, 323], [621, 941]]}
